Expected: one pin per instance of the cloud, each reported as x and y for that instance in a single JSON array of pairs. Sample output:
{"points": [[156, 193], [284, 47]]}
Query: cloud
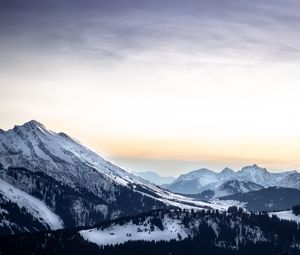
{"points": [[102, 31]]}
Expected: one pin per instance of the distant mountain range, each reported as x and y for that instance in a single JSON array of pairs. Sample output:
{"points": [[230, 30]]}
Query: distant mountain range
{"points": [[227, 182], [155, 178]]}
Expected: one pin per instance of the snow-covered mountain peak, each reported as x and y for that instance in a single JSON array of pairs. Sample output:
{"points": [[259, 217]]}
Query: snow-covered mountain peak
{"points": [[226, 172], [30, 128], [253, 168], [33, 145], [256, 174], [34, 124], [30, 125]]}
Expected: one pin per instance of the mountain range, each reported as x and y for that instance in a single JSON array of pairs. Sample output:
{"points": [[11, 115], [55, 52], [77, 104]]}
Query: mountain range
{"points": [[228, 181]]}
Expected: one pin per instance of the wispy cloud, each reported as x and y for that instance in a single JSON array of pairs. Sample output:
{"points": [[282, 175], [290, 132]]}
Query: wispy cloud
{"points": [[98, 30]]}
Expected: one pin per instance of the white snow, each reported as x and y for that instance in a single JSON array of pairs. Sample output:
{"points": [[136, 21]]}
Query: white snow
{"points": [[34, 206], [286, 215], [225, 204], [117, 234], [291, 181]]}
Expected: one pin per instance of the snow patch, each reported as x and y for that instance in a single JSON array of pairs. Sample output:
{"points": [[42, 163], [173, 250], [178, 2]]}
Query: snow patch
{"points": [[116, 234], [286, 215], [34, 206]]}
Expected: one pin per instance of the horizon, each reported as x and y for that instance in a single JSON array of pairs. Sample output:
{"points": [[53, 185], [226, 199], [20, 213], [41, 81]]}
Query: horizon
{"points": [[120, 161], [161, 86]]}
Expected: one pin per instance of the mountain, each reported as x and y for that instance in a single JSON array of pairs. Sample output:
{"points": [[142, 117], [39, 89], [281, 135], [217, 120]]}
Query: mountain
{"points": [[261, 176], [204, 179], [268, 199], [168, 232], [75, 183], [235, 186], [155, 178], [199, 180], [227, 188], [291, 181], [226, 173], [257, 175]]}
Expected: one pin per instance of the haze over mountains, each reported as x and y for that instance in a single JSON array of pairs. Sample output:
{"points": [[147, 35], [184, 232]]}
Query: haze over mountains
{"points": [[155, 178]]}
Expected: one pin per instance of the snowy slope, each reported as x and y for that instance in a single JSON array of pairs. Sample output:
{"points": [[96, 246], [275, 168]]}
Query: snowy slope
{"points": [[33, 206], [117, 234], [291, 181], [32, 143], [286, 215], [166, 226], [235, 186]]}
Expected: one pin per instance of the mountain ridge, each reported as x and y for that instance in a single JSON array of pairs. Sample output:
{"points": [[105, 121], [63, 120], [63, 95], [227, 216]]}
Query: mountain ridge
{"points": [[197, 181]]}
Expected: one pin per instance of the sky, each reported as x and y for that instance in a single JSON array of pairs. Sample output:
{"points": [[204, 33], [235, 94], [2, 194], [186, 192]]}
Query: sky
{"points": [[161, 85]]}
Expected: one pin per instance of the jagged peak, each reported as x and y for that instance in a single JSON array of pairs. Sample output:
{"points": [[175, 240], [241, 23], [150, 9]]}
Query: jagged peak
{"points": [[254, 166], [32, 125], [227, 170]]}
